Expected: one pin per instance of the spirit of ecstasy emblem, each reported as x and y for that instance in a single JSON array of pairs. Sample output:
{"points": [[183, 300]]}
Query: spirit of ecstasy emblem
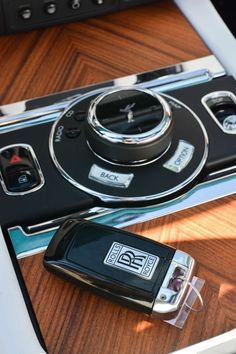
{"points": [[128, 110]]}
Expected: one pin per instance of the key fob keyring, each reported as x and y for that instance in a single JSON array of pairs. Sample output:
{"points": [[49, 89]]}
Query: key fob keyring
{"points": [[126, 268]]}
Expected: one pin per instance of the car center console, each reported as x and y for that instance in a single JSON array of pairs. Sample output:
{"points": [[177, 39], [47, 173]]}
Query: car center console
{"points": [[120, 152]]}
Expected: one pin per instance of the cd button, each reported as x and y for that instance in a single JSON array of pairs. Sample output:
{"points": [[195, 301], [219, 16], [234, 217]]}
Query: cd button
{"points": [[80, 116]]}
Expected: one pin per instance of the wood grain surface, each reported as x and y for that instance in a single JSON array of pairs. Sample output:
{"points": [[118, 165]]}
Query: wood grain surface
{"points": [[64, 57]]}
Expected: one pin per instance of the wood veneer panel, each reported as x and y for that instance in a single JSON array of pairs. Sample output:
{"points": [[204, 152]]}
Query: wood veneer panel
{"points": [[76, 321], [64, 57]]}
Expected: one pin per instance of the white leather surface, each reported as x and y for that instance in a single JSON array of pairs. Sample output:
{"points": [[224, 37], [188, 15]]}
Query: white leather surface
{"points": [[212, 29], [17, 334]]}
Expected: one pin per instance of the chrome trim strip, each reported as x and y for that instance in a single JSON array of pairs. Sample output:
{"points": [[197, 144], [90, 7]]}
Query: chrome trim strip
{"points": [[136, 139], [215, 95], [42, 180], [26, 113], [21, 121], [35, 238], [115, 198], [168, 301], [183, 80], [50, 224], [228, 170]]}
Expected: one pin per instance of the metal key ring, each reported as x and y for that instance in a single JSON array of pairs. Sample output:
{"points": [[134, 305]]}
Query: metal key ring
{"points": [[193, 288]]}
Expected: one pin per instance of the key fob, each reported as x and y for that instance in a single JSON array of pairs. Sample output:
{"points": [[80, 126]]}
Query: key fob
{"points": [[135, 271]]}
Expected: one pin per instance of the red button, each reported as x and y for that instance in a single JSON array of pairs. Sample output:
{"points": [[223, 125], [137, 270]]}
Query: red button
{"points": [[15, 159]]}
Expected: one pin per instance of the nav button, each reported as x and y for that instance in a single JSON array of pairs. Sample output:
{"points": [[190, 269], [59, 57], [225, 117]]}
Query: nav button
{"points": [[110, 178]]}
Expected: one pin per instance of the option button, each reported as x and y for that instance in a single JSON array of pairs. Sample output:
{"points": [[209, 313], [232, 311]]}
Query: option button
{"points": [[181, 157]]}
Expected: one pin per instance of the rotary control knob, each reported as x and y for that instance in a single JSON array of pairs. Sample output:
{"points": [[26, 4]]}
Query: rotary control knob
{"points": [[129, 126]]}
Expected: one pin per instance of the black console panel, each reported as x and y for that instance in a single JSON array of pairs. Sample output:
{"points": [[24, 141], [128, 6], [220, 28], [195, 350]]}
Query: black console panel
{"points": [[24, 15], [114, 147]]}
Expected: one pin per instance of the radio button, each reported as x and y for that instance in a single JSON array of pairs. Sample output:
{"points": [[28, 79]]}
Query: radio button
{"points": [[72, 133]]}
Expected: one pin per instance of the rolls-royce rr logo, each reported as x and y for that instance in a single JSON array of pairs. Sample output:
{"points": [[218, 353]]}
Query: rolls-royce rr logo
{"points": [[131, 260], [128, 110]]}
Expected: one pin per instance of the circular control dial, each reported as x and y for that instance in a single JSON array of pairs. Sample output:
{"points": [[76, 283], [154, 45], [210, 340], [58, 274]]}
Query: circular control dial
{"points": [[129, 125], [158, 180]]}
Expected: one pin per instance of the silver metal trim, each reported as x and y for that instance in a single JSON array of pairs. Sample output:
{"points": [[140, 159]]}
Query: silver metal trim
{"points": [[214, 95], [115, 198], [224, 170], [52, 224], [42, 180], [120, 217], [136, 139], [26, 119], [31, 112], [168, 301]]}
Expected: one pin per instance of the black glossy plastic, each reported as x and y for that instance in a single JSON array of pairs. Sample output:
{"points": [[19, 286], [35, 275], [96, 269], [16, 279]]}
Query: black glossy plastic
{"points": [[129, 112], [78, 252], [18, 169]]}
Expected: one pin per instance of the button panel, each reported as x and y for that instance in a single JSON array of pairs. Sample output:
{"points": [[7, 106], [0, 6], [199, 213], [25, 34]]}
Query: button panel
{"points": [[20, 171]]}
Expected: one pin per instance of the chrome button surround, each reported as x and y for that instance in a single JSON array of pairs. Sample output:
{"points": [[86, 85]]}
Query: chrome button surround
{"points": [[142, 138], [36, 166], [129, 125], [228, 126]]}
